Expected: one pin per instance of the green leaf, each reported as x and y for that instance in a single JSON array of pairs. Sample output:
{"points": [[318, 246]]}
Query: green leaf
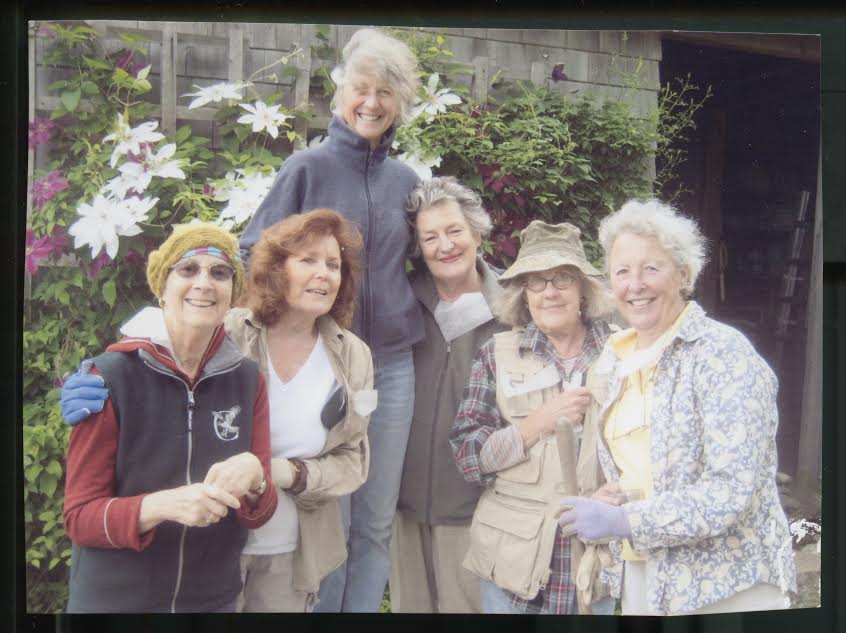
{"points": [[109, 292], [96, 63], [70, 99], [90, 88], [54, 468], [292, 136], [58, 85], [58, 113], [182, 134], [142, 74], [143, 85]]}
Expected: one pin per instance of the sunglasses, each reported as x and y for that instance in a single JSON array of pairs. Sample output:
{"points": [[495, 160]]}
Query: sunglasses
{"points": [[218, 272], [537, 283]]}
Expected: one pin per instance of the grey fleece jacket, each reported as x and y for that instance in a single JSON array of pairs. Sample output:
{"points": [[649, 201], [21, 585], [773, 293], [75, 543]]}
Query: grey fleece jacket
{"points": [[369, 189]]}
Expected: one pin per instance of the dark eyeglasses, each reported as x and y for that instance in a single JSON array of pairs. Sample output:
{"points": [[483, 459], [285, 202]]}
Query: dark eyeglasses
{"points": [[218, 272], [537, 283]]}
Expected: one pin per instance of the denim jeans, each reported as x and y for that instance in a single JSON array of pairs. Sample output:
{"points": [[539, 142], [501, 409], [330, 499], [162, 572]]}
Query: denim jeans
{"points": [[495, 599], [359, 584]]}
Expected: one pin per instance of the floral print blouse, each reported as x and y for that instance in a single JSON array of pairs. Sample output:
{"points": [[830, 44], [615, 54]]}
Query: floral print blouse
{"points": [[715, 525]]}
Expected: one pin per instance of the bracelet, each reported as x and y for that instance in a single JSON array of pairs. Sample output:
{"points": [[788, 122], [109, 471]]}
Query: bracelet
{"points": [[262, 487]]}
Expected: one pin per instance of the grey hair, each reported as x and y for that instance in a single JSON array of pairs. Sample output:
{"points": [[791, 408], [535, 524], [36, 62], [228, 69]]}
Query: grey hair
{"points": [[440, 189], [511, 307], [372, 52], [676, 234]]}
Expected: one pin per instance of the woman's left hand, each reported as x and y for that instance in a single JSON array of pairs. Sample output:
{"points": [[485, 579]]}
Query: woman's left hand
{"points": [[593, 520], [237, 475]]}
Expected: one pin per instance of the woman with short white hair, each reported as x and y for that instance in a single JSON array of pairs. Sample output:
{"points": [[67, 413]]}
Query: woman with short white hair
{"points": [[352, 173], [686, 437]]}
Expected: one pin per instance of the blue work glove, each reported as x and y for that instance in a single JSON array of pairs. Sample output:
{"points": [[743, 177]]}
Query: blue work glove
{"points": [[82, 395], [593, 520]]}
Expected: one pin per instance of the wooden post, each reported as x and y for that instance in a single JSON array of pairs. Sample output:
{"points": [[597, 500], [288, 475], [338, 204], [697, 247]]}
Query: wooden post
{"points": [[809, 461], [236, 53], [168, 79], [480, 79]]}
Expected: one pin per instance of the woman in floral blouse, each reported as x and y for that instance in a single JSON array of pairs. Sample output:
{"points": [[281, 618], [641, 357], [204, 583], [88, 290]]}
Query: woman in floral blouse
{"points": [[687, 437]]}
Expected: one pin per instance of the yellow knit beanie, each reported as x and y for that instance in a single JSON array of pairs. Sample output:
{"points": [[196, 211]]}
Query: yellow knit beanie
{"points": [[186, 237]]}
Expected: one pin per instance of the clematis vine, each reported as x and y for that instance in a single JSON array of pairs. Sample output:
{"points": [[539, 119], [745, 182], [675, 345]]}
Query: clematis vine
{"points": [[138, 174], [39, 249], [40, 130], [130, 139], [45, 188], [102, 222], [215, 93], [264, 117], [436, 101]]}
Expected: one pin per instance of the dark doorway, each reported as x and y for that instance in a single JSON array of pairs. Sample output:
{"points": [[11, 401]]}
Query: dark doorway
{"points": [[754, 153]]}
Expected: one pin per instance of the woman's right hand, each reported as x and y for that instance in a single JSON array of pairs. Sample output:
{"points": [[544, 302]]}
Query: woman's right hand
{"points": [[194, 505], [570, 404]]}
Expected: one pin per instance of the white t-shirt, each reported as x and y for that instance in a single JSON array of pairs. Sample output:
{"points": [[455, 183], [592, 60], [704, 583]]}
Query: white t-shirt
{"points": [[295, 431]]}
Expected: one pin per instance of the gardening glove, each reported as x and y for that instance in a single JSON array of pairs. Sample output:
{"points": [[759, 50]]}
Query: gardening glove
{"points": [[82, 394], [282, 472], [592, 520]]}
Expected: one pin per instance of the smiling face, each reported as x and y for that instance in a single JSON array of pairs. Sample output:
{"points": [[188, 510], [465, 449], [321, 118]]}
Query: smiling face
{"points": [[314, 276], [369, 106], [646, 284], [198, 302], [448, 244], [555, 311]]}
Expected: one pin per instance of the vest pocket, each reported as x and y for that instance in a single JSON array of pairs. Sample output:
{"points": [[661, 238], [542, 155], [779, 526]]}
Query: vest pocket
{"points": [[527, 472], [505, 537], [521, 405]]}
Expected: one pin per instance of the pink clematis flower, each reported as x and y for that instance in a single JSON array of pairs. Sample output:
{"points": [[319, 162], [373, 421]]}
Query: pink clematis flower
{"points": [[127, 62], [40, 130], [45, 188], [39, 249]]}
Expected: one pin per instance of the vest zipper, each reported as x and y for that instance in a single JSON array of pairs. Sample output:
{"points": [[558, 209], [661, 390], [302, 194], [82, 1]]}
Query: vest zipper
{"points": [[366, 325], [187, 481], [433, 433]]}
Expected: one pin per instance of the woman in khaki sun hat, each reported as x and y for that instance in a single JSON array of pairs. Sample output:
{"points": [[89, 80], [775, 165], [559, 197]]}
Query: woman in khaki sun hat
{"points": [[531, 395]]}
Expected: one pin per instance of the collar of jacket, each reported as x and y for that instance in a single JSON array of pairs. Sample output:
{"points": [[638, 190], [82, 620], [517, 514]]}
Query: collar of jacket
{"points": [[222, 355], [423, 285], [333, 335], [344, 142]]}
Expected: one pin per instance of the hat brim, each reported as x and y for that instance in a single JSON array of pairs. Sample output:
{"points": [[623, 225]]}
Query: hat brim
{"points": [[547, 261]]}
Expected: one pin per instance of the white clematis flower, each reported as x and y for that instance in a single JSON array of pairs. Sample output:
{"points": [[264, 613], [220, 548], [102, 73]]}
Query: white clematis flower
{"points": [[154, 164], [215, 93], [264, 117], [244, 192], [436, 100], [102, 222], [130, 139], [423, 168]]}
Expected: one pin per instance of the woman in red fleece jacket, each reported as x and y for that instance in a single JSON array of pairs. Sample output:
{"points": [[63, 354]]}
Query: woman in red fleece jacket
{"points": [[182, 440]]}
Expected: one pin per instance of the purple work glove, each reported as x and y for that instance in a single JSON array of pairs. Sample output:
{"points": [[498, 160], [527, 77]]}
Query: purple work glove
{"points": [[593, 520]]}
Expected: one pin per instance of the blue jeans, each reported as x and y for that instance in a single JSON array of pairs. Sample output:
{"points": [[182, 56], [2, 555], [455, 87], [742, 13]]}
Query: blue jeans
{"points": [[359, 584], [494, 599]]}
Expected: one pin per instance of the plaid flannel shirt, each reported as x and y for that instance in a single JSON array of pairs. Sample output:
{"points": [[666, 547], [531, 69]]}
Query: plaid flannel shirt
{"points": [[478, 417]]}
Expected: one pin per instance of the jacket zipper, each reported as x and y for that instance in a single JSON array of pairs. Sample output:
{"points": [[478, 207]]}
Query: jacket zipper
{"points": [[438, 393], [191, 403], [366, 325]]}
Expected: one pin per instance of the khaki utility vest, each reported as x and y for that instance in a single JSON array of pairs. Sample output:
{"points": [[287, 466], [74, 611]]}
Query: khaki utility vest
{"points": [[512, 535]]}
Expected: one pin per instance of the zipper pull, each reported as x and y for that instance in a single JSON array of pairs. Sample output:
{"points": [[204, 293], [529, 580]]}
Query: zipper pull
{"points": [[190, 408]]}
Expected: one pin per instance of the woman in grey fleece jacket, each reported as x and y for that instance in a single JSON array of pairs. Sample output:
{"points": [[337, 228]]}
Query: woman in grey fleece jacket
{"points": [[351, 173]]}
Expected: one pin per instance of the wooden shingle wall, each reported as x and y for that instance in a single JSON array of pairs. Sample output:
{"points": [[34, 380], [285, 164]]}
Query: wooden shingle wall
{"points": [[198, 53]]}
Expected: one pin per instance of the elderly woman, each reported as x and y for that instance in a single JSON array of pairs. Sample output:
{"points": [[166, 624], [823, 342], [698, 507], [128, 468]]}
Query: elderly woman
{"points": [[687, 437], [525, 390], [351, 172], [184, 439], [455, 288], [300, 294]]}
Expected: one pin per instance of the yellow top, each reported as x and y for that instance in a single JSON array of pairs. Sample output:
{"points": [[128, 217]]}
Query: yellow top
{"points": [[627, 428]]}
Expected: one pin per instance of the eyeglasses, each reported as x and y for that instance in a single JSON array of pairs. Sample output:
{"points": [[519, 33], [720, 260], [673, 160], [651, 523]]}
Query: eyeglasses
{"points": [[537, 283], [218, 272]]}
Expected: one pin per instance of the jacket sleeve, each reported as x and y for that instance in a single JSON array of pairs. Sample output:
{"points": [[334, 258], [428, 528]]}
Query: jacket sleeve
{"points": [[343, 469], [260, 514], [735, 399], [285, 198], [93, 516]]}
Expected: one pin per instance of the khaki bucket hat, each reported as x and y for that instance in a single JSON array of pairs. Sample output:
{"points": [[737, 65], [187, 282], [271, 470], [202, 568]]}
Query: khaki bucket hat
{"points": [[545, 246]]}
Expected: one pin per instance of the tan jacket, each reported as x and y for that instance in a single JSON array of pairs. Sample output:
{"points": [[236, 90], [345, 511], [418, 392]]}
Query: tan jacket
{"points": [[341, 467], [514, 526]]}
